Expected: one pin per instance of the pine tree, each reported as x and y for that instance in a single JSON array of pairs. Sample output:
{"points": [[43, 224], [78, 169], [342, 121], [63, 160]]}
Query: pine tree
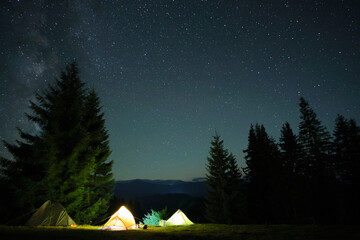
{"points": [[66, 160], [317, 164], [263, 174], [346, 150], [223, 183], [315, 143], [19, 175], [342, 148], [98, 190], [289, 150], [290, 178], [347, 168], [354, 153], [236, 191]]}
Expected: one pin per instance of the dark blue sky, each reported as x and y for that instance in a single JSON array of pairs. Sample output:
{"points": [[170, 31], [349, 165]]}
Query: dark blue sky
{"points": [[170, 73]]}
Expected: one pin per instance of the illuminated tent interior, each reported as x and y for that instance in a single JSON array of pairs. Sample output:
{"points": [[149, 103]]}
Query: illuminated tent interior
{"points": [[50, 214], [178, 218], [121, 220]]}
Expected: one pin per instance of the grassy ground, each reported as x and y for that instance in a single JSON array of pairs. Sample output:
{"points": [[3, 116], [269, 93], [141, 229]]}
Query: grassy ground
{"points": [[197, 231]]}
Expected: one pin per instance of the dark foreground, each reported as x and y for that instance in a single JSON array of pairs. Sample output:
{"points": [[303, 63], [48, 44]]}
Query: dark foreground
{"points": [[197, 231]]}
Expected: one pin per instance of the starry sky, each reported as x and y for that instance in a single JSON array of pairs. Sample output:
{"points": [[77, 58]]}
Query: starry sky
{"points": [[171, 73]]}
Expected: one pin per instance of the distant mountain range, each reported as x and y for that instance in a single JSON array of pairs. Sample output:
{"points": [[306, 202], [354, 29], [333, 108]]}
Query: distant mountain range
{"points": [[130, 189], [156, 194]]}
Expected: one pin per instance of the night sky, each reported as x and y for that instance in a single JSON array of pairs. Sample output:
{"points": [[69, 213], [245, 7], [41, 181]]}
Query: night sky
{"points": [[170, 73]]}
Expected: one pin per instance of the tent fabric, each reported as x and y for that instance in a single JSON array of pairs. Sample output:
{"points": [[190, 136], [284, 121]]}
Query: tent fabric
{"points": [[178, 218], [121, 220], [50, 214]]}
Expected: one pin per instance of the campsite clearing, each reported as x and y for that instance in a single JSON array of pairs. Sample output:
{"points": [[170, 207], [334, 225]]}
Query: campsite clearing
{"points": [[196, 231]]}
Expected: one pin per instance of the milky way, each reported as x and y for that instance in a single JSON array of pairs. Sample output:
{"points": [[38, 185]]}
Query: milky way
{"points": [[171, 73]]}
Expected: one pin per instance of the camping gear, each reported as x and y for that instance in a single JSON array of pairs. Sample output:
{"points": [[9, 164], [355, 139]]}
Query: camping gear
{"points": [[121, 220], [50, 214], [162, 223], [178, 218]]}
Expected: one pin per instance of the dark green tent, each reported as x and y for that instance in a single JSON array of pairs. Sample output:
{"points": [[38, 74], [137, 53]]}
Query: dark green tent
{"points": [[50, 214]]}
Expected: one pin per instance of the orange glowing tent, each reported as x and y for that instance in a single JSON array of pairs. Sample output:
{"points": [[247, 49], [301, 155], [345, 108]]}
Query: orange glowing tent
{"points": [[121, 220]]}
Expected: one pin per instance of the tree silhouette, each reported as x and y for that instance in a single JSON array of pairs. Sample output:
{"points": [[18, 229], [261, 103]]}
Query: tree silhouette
{"points": [[263, 173], [67, 160], [290, 178], [223, 180]]}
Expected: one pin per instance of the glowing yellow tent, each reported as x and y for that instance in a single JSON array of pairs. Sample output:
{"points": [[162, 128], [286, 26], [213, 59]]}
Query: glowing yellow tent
{"points": [[178, 218], [121, 220]]}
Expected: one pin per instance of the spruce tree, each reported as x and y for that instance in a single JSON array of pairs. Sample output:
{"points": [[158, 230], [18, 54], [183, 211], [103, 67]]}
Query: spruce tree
{"points": [[290, 178], [317, 164], [347, 168], [263, 174], [354, 152], [289, 150], [346, 150], [342, 148], [236, 190], [315, 144], [223, 179], [354, 173], [98, 190], [66, 160], [19, 176]]}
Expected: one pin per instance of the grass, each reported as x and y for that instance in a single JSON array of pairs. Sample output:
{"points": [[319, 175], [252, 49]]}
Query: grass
{"points": [[196, 231]]}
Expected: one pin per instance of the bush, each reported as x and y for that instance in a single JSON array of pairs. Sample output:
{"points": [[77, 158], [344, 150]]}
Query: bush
{"points": [[152, 218]]}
